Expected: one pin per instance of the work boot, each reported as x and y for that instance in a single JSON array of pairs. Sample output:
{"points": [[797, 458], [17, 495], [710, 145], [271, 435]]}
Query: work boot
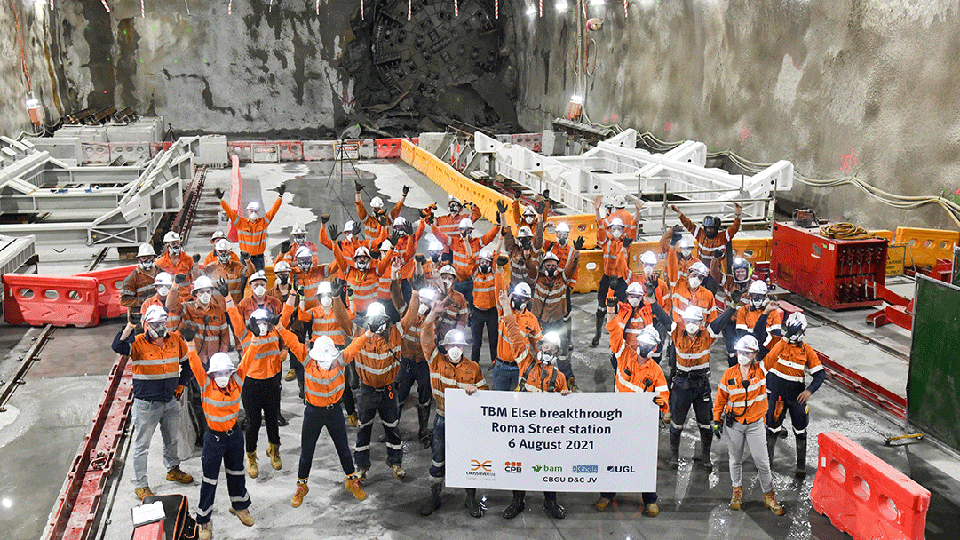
{"points": [[602, 504], [398, 471], [770, 501], [291, 375], [652, 510], [801, 471], [143, 492], [736, 502], [252, 468], [572, 384], [176, 475], [302, 491], [552, 507], [674, 461], [423, 418], [771, 443], [206, 531], [433, 503], [475, 507], [352, 484], [516, 505], [706, 440], [601, 315], [281, 421], [352, 420], [244, 516], [273, 451], [361, 476]]}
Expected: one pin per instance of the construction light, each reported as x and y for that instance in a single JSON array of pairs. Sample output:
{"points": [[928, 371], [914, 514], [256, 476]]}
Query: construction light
{"points": [[561, 5], [597, 2], [532, 10]]}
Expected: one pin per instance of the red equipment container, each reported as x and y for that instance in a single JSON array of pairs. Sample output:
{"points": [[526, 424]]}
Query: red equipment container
{"points": [[836, 274]]}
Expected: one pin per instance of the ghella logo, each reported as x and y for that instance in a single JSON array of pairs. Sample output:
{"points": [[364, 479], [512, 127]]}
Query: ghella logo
{"points": [[547, 468], [619, 469]]}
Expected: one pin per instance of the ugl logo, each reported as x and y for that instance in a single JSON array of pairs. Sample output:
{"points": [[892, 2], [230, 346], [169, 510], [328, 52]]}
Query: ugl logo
{"points": [[619, 469]]}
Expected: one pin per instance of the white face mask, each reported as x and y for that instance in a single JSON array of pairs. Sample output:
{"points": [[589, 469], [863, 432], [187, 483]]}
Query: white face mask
{"points": [[325, 362], [544, 358], [529, 219], [259, 291], [263, 328], [253, 215], [694, 282], [744, 359], [423, 309], [204, 298], [692, 328], [648, 271], [447, 284], [454, 354], [326, 301], [222, 381], [146, 266], [634, 301], [616, 233], [348, 236], [163, 291]]}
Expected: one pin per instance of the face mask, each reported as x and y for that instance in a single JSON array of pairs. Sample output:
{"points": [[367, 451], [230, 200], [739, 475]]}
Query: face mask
{"points": [[518, 304], [175, 250], [284, 278], [362, 265], [304, 265], [204, 298], [325, 362], [525, 243], [253, 215], [692, 328], [262, 328], [465, 234], [616, 233], [423, 309], [529, 219], [711, 232], [685, 253], [744, 359], [562, 240], [163, 291], [634, 301], [224, 259], [550, 271], [222, 381], [380, 211], [485, 268], [648, 271], [300, 239], [454, 208], [379, 327], [326, 301], [259, 291], [157, 332], [694, 282], [454, 354], [146, 265], [348, 236], [544, 358], [435, 257], [447, 284]]}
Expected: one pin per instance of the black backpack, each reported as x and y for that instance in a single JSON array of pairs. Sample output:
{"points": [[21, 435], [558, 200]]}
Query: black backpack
{"points": [[177, 523]]}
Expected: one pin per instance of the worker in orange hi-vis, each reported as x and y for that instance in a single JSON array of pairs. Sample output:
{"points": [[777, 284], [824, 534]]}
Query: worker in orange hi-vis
{"points": [[373, 223], [637, 371], [612, 241], [465, 248], [212, 256], [233, 272], [619, 211], [692, 293], [252, 230], [139, 284], [298, 239], [176, 263], [449, 223], [709, 239], [425, 268], [360, 275], [522, 249], [627, 320], [351, 238]]}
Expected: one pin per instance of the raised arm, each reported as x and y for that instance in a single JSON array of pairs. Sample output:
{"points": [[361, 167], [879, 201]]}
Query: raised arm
{"points": [[229, 211], [442, 238], [274, 209]]}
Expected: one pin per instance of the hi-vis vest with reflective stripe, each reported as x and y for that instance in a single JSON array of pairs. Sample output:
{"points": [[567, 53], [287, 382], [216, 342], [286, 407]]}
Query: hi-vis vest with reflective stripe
{"points": [[326, 325], [378, 361], [484, 293], [693, 353], [322, 387], [445, 374], [151, 363], [221, 405], [790, 361], [747, 403], [262, 355], [364, 286]]}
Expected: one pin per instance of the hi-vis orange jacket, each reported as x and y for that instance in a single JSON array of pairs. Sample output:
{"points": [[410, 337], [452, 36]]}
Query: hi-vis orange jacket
{"points": [[252, 235], [221, 406]]}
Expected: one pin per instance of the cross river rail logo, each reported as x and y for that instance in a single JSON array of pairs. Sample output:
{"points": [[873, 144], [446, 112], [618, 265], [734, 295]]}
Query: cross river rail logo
{"points": [[481, 469], [511, 466], [586, 469], [619, 469]]}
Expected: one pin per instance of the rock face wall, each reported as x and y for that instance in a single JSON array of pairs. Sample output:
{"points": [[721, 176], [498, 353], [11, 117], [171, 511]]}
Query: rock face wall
{"points": [[865, 87]]}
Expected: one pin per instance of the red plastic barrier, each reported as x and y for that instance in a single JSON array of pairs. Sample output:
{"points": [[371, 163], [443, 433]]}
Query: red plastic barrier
{"points": [[291, 150], [863, 495], [388, 148], [110, 282], [57, 300], [236, 192]]}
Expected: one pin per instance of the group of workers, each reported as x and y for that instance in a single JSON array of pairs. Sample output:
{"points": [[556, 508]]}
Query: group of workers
{"points": [[361, 330]]}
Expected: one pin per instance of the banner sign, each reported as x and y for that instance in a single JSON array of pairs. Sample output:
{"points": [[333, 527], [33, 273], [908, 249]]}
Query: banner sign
{"points": [[548, 442]]}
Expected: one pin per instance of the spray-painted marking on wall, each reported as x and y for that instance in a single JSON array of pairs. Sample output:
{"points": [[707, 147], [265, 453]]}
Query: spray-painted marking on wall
{"points": [[667, 126], [847, 162], [744, 133]]}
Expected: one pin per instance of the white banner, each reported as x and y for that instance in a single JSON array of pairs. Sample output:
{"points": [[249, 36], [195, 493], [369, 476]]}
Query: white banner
{"points": [[547, 442]]}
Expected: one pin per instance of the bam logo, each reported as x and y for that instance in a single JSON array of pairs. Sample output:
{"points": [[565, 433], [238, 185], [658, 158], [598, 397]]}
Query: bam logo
{"points": [[511, 466], [619, 469], [478, 466], [547, 468]]}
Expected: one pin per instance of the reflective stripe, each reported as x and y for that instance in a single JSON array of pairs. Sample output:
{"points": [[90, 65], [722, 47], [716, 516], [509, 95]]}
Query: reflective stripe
{"points": [[696, 367], [693, 356], [333, 392], [627, 383], [221, 418], [316, 380], [161, 361], [741, 403], [157, 377], [790, 364], [381, 356], [787, 377], [216, 403], [375, 371]]}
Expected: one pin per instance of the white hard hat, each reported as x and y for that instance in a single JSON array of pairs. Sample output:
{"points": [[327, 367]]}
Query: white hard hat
{"points": [[304, 252], [259, 275], [524, 232], [649, 258], [747, 343], [155, 313], [551, 337], [377, 202], [361, 252], [324, 287], [447, 269], [386, 246], [254, 206], [376, 309], [400, 222], [692, 314], [146, 250], [298, 229], [348, 226], [619, 201], [699, 268], [171, 237], [324, 348], [202, 282], [465, 223], [485, 253], [616, 222], [562, 227], [683, 245], [529, 209], [757, 287], [434, 246], [454, 337], [521, 289], [647, 341], [282, 266], [217, 235], [451, 199], [260, 315], [427, 294], [163, 278], [222, 245], [635, 288], [220, 362], [551, 256]]}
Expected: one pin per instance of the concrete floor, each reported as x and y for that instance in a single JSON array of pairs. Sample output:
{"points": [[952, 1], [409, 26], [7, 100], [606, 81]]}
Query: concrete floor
{"points": [[54, 408]]}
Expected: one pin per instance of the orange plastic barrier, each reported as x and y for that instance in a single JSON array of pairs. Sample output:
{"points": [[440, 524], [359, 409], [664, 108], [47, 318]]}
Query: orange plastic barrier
{"points": [[58, 300], [590, 271], [110, 281], [863, 495], [925, 246], [584, 225], [236, 194]]}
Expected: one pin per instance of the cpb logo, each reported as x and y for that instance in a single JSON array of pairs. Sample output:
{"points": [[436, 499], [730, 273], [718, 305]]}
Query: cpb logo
{"points": [[512, 466]]}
